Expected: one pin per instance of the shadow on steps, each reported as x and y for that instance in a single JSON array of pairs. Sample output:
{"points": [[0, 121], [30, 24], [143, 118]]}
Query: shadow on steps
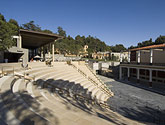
{"points": [[74, 94]]}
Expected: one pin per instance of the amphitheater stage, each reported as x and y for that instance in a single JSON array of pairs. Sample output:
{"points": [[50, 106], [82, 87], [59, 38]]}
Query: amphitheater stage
{"points": [[135, 102]]}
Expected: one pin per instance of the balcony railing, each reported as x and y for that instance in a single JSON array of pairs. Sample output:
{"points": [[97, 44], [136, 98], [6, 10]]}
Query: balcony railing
{"points": [[143, 63]]}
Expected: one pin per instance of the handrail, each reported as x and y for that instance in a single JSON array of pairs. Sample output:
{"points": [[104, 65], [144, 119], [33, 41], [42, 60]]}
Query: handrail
{"points": [[99, 80], [104, 89]]}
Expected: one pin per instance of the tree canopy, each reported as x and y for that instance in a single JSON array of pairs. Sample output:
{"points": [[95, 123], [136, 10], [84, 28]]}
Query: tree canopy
{"points": [[31, 26], [68, 45], [7, 30], [159, 40], [117, 48], [61, 32]]}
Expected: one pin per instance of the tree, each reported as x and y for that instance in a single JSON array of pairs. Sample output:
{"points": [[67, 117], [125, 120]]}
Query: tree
{"points": [[61, 32], [118, 48], [47, 31], [31, 26], [2, 18], [14, 22], [7, 30], [145, 43], [160, 40]]}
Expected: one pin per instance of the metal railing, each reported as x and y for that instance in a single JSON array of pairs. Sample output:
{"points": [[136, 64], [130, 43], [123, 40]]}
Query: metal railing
{"points": [[103, 88]]}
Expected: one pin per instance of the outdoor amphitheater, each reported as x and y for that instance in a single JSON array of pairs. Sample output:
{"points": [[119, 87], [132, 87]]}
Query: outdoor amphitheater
{"points": [[64, 93]]}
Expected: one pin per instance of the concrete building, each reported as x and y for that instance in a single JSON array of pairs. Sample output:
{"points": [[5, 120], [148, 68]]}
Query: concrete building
{"points": [[101, 55], [115, 56], [118, 55], [145, 65], [29, 44]]}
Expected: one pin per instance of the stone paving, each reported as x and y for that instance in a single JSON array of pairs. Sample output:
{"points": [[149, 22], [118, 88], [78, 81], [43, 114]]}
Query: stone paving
{"points": [[136, 103]]}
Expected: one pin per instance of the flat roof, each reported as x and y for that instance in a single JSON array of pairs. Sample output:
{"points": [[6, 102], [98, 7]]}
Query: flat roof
{"points": [[149, 47], [35, 39]]}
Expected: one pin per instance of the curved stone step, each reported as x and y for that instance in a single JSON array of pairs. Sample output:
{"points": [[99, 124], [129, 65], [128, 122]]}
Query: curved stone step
{"points": [[15, 106], [53, 75], [94, 91], [87, 85], [103, 97], [5, 114], [50, 75], [98, 94], [35, 106], [91, 88]]}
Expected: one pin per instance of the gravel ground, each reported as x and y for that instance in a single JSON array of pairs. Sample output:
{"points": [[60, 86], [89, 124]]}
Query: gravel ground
{"points": [[136, 103]]}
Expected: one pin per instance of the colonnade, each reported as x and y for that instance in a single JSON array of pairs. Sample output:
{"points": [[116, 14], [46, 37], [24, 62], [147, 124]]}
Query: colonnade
{"points": [[137, 73]]}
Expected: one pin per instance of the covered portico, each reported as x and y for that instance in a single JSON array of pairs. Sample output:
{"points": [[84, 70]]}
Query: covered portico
{"points": [[37, 43]]}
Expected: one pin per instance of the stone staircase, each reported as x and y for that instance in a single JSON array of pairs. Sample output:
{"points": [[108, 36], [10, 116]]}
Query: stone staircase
{"points": [[58, 95]]}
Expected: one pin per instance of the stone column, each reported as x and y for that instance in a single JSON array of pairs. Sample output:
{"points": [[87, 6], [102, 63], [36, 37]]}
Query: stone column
{"points": [[128, 73], [138, 75], [121, 57], [44, 53], [49, 46], [120, 74], [129, 56], [139, 57], [150, 77], [53, 53], [19, 41], [151, 56]]}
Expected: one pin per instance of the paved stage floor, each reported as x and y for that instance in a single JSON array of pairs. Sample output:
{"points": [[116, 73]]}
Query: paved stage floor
{"points": [[136, 103]]}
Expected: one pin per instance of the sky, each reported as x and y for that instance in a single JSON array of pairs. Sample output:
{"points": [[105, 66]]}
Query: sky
{"points": [[124, 22]]}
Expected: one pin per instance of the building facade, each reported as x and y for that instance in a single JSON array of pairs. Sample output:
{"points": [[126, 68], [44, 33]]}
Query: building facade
{"points": [[145, 65], [114, 56]]}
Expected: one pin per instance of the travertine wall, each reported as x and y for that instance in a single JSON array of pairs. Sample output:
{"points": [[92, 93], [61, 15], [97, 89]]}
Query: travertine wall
{"points": [[145, 57], [158, 56]]}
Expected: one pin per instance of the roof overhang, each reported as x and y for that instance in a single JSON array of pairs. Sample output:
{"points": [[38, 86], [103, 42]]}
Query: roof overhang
{"points": [[149, 47], [35, 39]]}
